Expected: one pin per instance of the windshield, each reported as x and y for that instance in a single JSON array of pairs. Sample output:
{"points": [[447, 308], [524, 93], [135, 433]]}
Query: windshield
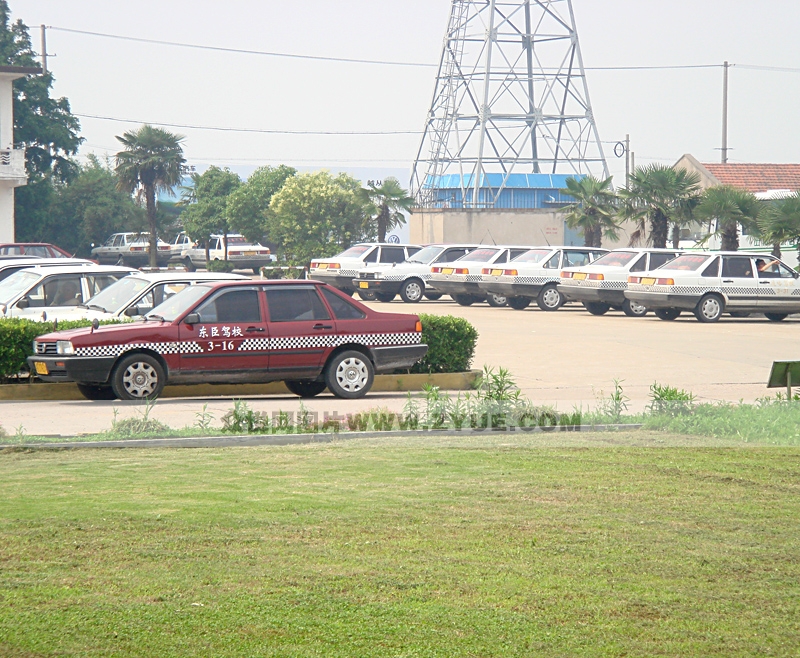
{"points": [[532, 256], [113, 298], [480, 255], [355, 252], [686, 263], [16, 284], [616, 258], [425, 255], [179, 303]]}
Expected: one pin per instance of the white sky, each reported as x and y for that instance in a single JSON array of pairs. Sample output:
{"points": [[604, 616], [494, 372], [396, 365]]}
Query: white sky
{"points": [[667, 113]]}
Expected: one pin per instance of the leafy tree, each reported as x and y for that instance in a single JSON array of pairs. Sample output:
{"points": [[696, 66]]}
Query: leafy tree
{"points": [[248, 206], [151, 163], [389, 201], [730, 207], [317, 215], [207, 205], [594, 210], [659, 196], [779, 223]]}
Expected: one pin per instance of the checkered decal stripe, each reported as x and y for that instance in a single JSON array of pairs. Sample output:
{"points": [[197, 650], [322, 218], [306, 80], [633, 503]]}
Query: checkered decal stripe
{"points": [[534, 280], [473, 278], [614, 285], [187, 347], [310, 342]]}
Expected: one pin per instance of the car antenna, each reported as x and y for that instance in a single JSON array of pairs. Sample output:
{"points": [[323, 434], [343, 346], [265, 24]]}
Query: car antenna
{"points": [[545, 238], [95, 324]]}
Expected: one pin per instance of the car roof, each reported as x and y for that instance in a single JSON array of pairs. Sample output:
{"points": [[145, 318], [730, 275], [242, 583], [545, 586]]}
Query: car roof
{"points": [[263, 282], [383, 244], [178, 275], [655, 250], [26, 244], [78, 269], [45, 262]]}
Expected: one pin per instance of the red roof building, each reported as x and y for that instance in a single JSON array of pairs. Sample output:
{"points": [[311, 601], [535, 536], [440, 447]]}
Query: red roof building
{"points": [[752, 177]]}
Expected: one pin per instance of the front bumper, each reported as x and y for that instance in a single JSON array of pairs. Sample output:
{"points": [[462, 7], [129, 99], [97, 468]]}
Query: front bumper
{"points": [[614, 297], [655, 300], [397, 358], [88, 369]]}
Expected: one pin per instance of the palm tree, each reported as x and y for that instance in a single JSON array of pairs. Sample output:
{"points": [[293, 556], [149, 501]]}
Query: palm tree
{"points": [[779, 222], [658, 195], [731, 207], [594, 209], [152, 163], [388, 201]]}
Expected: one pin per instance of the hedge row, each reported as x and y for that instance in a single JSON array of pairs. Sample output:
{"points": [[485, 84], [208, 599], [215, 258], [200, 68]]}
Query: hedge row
{"points": [[451, 344]]}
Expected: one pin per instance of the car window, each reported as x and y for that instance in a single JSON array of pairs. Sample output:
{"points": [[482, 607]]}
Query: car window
{"points": [[576, 258], [392, 255], [114, 296], [553, 263], [451, 254], [99, 282], [516, 253], [231, 306], [342, 309], [295, 305], [371, 257], [712, 269], [657, 260], [39, 251], [158, 295], [772, 269], [355, 252], [640, 265], [737, 266], [57, 291], [8, 271], [533, 256], [119, 240], [412, 250]]}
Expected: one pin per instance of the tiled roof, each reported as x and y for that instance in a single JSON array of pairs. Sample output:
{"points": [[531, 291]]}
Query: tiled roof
{"points": [[757, 177]]}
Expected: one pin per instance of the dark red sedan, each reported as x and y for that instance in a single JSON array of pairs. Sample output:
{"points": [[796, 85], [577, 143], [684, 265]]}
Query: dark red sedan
{"points": [[32, 249], [305, 333]]}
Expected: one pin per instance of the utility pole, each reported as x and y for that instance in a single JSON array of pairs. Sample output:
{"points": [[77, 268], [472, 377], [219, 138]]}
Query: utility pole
{"points": [[44, 49], [627, 160], [726, 66], [633, 161]]}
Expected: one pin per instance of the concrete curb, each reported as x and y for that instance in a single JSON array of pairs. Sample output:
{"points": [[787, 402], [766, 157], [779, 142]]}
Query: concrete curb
{"points": [[297, 439], [457, 381]]}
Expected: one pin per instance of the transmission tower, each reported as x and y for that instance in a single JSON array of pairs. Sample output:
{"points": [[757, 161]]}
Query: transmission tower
{"points": [[510, 98]]}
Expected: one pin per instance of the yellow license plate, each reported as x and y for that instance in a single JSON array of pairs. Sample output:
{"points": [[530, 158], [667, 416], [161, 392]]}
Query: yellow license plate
{"points": [[579, 275], [323, 266], [41, 368], [497, 272], [447, 270], [249, 253], [648, 282], [363, 284]]}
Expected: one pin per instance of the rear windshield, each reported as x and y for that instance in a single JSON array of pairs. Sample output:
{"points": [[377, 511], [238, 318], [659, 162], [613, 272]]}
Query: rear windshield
{"points": [[532, 256], [480, 255], [114, 297], [355, 252], [687, 263], [236, 240], [616, 258]]}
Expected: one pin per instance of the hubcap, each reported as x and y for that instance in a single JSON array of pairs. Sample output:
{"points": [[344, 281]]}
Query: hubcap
{"points": [[499, 300], [638, 309], [711, 308], [551, 298], [140, 379], [352, 374], [413, 291]]}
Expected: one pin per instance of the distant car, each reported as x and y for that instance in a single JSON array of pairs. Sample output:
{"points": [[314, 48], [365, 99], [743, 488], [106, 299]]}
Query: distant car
{"points": [[136, 295], [243, 254], [710, 284], [461, 278], [304, 333], [33, 250], [10, 265], [130, 250], [601, 285], [411, 278], [534, 276], [340, 270], [32, 292]]}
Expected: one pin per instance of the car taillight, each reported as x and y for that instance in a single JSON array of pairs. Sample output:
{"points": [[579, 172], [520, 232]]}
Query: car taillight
{"points": [[234, 253], [314, 265], [665, 282], [436, 270], [334, 266], [462, 270], [164, 248], [566, 275], [511, 272], [596, 277], [263, 252], [634, 279], [418, 327], [486, 270], [137, 248]]}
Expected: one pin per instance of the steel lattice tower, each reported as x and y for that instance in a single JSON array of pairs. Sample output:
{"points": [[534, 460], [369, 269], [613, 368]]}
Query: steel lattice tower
{"points": [[510, 98]]}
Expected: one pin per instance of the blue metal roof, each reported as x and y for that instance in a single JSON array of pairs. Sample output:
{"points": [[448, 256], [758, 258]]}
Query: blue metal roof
{"points": [[515, 181]]}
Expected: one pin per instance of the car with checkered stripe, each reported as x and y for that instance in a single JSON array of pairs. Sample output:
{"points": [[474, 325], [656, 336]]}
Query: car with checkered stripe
{"points": [[305, 333], [411, 278], [461, 278], [601, 285], [710, 284], [534, 276], [340, 270]]}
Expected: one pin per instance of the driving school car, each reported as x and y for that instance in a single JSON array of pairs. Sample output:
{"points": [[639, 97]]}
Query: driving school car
{"points": [[710, 284], [305, 333]]}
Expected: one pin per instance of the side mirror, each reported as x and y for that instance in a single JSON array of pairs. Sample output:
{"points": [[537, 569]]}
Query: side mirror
{"points": [[192, 318], [132, 311], [24, 303]]}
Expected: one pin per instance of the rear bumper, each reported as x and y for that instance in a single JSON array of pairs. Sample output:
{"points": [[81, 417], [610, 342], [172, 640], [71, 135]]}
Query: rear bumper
{"points": [[511, 289], [396, 358], [377, 285], [456, 287], [654, 300], [576, 294], [91, 370], [344, 283]]}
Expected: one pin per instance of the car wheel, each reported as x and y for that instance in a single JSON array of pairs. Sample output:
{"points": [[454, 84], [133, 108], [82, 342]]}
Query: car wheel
{"points": [[596, 308], [189, 265], [92, 392], [496, 301], [433, 296], [367, 295], [257, 271], [349, 375], [550, 299], [667, 314], [305, 388], [519, 303], [384, 297], [709, 308], [633, 310], [776, 317], [463, 300], [412, 291], [138, 377]]}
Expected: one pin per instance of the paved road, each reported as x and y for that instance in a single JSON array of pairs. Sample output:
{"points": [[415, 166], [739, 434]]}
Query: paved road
{"points": [[564, 358]]}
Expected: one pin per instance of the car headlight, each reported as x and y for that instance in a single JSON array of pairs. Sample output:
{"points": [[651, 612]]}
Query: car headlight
{"points": [[64, 348]]}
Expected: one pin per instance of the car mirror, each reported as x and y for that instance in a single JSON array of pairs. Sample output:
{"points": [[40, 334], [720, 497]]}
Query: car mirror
{"points": [[192, 318], [132, 311], [24, 303]]}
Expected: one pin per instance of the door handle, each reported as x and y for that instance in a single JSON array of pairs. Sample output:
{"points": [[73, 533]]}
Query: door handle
{"points": [[727, 281], [764, 283], [251, 330], [322, 326]]}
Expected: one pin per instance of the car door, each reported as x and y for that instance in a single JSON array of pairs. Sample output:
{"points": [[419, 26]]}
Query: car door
{"points": [[392, 255], [231, 336], [778, 287], [739, 283], [301, 330]]}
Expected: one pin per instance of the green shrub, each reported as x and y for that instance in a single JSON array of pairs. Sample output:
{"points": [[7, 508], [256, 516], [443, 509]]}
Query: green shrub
{"points": [[451, 344], [220, 266]]}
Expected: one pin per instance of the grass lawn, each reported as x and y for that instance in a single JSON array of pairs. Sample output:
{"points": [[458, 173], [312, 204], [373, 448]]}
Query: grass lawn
{"points": [[465, 547]]}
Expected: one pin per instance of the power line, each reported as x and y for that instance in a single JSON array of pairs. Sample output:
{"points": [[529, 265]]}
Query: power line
{"points": [[754, 67], [266, 131]]}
